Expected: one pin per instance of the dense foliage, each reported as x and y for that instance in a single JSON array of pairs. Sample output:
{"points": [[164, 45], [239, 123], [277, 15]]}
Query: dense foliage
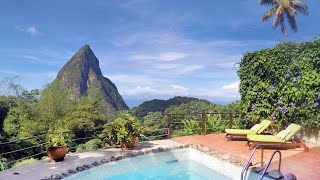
{"points": [[283, 83], [161, 105]]}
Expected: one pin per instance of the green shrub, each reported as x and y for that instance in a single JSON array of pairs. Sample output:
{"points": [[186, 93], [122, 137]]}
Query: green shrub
{"points": [[215, 124], [122, 129], [90, 145]]}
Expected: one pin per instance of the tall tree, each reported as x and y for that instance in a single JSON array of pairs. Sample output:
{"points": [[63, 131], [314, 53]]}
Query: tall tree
{"points": [[284, 9]]}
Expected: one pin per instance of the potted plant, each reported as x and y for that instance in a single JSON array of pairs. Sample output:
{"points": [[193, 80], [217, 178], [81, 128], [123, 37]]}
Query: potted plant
{"points": [[124, 131], [57, 146]]}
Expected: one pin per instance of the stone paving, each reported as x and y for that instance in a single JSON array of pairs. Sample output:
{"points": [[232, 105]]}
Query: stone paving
{"points": [[43, 169], [304, 164]]}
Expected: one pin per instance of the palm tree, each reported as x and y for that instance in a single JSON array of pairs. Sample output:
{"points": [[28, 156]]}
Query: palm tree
{"points": [[284, 9]]}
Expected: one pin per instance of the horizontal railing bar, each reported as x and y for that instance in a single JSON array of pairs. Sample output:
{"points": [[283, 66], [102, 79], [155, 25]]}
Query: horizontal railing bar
{"points": [[159, 129], [18, 140], [176, 122], [23, 149], [42, 134], [198, 113], [158, 135], [83, 138], [27, 157]]}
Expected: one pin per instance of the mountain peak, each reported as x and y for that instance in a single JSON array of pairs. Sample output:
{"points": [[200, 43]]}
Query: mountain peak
{"points": [[82, 73], [85, 48]]}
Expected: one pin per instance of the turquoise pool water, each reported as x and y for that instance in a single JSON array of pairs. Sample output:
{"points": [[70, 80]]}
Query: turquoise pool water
{"points": [[181, 170], [163, 166]]}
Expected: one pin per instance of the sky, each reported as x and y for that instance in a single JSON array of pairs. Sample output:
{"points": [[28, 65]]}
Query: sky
{"points": [[148, 48]]}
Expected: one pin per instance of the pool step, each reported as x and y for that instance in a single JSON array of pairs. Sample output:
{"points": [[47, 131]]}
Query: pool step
{"points": [[274, 174]]}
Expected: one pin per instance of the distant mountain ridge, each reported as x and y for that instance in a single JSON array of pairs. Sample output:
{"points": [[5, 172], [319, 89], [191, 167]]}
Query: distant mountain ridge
{"points": [[82, 75], [161, 105]]}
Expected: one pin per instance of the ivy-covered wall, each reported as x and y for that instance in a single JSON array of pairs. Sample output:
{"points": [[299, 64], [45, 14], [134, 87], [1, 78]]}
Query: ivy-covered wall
{"points": [[283, 83]]}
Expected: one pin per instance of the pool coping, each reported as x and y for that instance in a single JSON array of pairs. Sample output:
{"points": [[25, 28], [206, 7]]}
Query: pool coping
{"points": [[130, 154]]}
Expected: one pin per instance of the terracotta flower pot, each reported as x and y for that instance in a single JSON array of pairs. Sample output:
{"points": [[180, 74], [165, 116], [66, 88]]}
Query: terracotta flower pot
{"points": [[129, 145], [57, 153]]}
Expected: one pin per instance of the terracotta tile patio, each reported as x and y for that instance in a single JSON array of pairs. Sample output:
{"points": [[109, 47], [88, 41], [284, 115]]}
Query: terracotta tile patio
{"points": [[304, 164]]}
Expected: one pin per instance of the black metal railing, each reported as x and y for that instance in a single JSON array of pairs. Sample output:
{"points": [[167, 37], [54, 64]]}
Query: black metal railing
{"points": [[35, 146], [175, 121]]}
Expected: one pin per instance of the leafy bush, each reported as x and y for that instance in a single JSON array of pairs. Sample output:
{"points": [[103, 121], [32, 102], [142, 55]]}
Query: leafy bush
{"points": [[216, 124], [57, 139], [122, 129], [213, 124], [283, 83], [90, 145]]}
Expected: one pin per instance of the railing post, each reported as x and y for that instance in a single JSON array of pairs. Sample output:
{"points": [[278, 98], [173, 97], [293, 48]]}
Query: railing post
{"points": [[169, 125], [230, 120], [203, 123]]}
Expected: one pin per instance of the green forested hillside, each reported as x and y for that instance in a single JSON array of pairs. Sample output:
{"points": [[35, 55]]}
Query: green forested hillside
{"points": [[157, 105]]}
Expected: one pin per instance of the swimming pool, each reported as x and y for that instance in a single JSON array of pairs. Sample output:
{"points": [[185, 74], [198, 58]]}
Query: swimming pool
{"points": [[177, 164]]}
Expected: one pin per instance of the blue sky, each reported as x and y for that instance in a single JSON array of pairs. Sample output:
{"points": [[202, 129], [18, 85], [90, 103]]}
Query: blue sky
{"points": [[149, 49]]}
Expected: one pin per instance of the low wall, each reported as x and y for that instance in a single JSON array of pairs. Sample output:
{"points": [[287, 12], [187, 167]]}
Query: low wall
{"points": [[313, 138]]}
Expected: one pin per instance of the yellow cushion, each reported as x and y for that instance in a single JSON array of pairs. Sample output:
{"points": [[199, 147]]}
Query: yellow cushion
{"points": [[256, 127], [283, 134]]}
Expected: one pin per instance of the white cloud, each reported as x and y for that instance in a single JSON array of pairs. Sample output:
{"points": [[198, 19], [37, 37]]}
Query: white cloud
{"points": [[191, 68], [41, 75], [40, 55], [134, 79], [140, 90], [177, 69], [165, 66], [165, 56], [231, 86], [172, 90], [178, 89], [172, 56], [31, 30], [30, 57]]}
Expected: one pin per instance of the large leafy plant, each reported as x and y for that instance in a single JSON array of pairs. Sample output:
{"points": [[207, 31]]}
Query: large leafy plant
{"points": [[123, 129], [58, 138], [283, 83]]}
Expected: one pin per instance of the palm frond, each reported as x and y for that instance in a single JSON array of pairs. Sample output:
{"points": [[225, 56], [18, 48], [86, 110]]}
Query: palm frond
{"points": [[268, 14], [283, 25], [278, 16], [292, 22], [300, 7], [268, 2], [291, 11]]}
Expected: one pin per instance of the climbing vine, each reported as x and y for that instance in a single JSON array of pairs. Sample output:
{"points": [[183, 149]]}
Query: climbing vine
{"points": [[283, 83]]}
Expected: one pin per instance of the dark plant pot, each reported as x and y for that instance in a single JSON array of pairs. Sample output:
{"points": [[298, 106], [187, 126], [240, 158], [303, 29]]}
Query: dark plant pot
{"points": [[129, 145], [57, 153]]}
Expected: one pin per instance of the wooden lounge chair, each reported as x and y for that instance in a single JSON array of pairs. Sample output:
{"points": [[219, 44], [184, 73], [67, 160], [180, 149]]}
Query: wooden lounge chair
{"points": [[282, 139], [256, 129]]}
